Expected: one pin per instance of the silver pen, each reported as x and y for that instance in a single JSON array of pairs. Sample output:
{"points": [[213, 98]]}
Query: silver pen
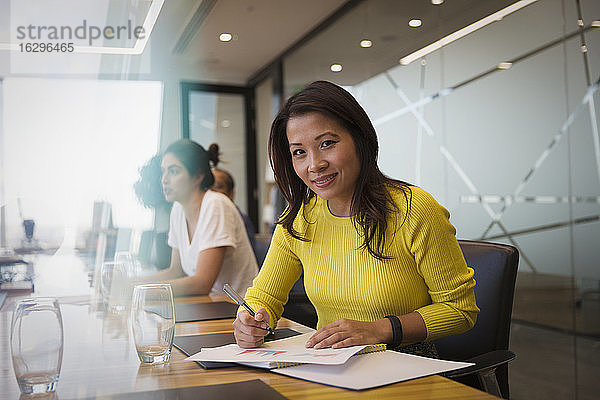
{"points": [[240, 301]]}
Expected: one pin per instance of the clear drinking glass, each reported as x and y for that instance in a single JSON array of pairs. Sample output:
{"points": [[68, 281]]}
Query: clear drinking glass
{"points": [[114, 282], [132, 265], [153, 322], [36, 344]]}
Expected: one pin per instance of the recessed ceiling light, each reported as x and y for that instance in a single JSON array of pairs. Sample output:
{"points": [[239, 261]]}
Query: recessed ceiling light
{"points": [[225, 37], [336, 67], [414, 23], [366, 43], [437, 2]]}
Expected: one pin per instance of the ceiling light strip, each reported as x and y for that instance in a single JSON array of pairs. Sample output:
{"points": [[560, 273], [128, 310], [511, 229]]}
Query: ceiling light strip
{"points": [[465, 31], [137, 49], [149, 23], [140, 44]]}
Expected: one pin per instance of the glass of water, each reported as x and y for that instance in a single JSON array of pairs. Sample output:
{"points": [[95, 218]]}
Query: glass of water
{"points": [[132, 265], [36, 344], [114, 282], [153, 322]]}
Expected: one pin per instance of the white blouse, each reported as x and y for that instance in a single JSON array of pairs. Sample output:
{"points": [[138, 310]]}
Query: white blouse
{"points": [[219, 224]]}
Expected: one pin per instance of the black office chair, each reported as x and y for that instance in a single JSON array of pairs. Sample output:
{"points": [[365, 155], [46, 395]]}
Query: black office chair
{"points": [[299, 308], [262, 241], [486, 345], [154, 249]]}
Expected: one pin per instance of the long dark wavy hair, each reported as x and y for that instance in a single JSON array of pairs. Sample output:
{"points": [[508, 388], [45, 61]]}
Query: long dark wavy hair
{"points": [[372, 202], [148, 188]]}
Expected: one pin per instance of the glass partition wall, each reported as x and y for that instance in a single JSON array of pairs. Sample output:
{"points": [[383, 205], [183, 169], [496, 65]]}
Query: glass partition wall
{"points": [[501, 126]]}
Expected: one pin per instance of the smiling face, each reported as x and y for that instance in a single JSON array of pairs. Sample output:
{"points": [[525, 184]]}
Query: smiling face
{"points": [[324, 157], [176, 181]]}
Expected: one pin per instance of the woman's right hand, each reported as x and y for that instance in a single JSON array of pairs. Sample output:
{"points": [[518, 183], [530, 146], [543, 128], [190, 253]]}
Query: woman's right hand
{"points": [[250, 331]]}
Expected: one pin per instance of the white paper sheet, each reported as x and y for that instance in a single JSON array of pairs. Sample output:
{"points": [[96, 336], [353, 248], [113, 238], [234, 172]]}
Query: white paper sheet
{"points": [[371, 370], [288, 350]]}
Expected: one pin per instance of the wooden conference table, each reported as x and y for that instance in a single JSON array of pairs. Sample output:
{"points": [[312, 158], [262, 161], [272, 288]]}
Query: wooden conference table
{"points": [[99, 359]]}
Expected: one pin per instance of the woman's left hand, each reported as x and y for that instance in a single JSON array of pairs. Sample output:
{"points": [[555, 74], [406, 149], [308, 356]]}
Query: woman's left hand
{"points": [[348, 332]]}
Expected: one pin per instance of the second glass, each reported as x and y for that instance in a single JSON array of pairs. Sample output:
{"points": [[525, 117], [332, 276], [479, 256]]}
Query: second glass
{"points": [[36, 344], [114, 281], [153, 322], [132, 265]]}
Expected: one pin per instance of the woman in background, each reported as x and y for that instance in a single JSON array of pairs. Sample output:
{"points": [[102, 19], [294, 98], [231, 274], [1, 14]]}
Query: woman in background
{"points": [[207, 236], [380, 258]]}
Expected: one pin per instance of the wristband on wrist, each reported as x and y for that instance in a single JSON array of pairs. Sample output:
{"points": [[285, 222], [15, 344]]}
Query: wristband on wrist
{"points": [[396, 331]]}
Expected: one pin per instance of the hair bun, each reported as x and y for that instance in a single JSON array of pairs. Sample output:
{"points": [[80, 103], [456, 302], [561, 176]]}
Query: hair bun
{"points": [[213, 154]]}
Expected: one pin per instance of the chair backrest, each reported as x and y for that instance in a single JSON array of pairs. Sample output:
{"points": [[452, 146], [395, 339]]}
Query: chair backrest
{"points": [[161, 251], [495, 267], [154, 249], [145, 247], [262, 241]]}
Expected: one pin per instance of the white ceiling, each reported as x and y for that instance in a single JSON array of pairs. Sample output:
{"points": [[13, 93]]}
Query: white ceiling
{"points": [[263, 29]]}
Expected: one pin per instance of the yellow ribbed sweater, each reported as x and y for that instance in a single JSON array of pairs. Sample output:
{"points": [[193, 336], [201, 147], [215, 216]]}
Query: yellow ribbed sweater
{"points": [[427, 274]]}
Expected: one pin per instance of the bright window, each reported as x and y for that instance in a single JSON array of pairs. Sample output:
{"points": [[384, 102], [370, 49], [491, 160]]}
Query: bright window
{"points": [[68, 143]]}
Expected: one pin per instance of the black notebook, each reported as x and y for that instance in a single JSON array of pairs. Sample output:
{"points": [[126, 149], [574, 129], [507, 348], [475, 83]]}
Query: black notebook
{"points": [[247, 390], [205, 311], [190, 345]]}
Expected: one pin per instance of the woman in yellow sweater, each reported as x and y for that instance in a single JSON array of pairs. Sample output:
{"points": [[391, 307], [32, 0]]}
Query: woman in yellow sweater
{"points": [[380, 259]]}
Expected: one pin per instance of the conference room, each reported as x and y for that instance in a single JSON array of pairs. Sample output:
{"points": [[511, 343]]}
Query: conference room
{"points": [[489, 106]]}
